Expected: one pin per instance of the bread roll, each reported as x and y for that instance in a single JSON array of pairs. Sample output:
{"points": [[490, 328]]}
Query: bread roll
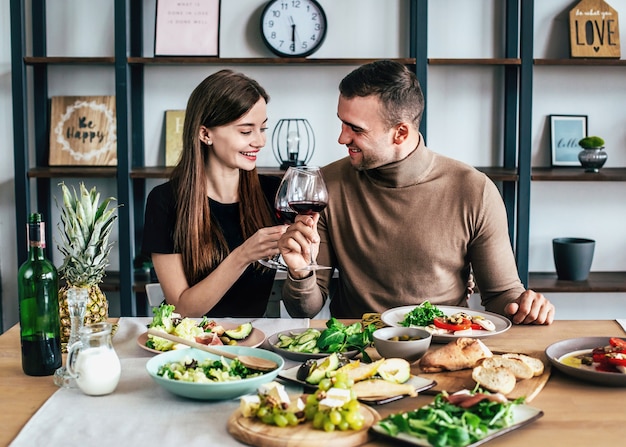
{"points": [[494, 378], [520, 369], [535, 364], [462, 353]]}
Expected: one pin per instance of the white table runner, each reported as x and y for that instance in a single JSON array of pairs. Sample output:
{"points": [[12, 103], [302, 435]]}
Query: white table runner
{"points": [[139, 412]]}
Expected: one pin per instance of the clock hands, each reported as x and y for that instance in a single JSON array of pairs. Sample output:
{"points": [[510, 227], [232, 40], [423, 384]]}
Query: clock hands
{"points": [[293, 30]]}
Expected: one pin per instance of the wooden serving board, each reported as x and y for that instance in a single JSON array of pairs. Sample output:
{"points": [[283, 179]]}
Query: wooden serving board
{"points": [[453, 381], [251, 431]]}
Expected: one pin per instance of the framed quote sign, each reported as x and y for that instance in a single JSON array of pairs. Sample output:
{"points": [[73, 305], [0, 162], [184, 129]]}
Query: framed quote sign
{"points": [[187, 28], [83, 131], [565, 133]]}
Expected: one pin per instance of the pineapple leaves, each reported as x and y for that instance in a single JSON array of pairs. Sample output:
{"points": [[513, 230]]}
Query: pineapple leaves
{"points": [[84, 230]]}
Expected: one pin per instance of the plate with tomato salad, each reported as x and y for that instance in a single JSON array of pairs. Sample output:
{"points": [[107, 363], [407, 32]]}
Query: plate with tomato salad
{"points": [[600, 360], [452, 322]]}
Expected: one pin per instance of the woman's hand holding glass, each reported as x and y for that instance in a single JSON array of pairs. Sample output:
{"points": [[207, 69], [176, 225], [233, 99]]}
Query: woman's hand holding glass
{"points": [[284, 214]]}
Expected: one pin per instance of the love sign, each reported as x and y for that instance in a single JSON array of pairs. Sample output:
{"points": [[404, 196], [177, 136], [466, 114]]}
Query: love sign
{"points": [[594, 30]]}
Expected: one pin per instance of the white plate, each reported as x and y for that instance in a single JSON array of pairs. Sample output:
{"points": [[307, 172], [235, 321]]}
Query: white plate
{"points": [[255, 339], [395, 316], [419, 383], [558, 350], [522, 415]]}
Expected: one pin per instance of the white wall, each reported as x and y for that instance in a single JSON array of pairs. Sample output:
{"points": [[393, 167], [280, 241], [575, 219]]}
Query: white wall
{"points": [[464, 113]]}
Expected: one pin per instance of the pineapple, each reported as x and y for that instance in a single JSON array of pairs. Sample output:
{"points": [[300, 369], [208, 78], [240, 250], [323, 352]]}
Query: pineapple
{"points": [[86, 226]]}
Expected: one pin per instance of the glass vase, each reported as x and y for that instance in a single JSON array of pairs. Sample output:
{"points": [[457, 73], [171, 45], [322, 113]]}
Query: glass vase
{"points": [[77, 305]]}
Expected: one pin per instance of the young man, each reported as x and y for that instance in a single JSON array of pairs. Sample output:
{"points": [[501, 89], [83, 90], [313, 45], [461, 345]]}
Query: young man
{"points": [[403, 224]]}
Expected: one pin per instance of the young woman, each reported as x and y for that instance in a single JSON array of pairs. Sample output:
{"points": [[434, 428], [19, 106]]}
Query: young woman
{"points": [[206, 228]]}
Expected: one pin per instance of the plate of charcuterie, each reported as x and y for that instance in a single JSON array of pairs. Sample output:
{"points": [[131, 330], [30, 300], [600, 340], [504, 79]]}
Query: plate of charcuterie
{"points": [[448, 323], [255, 339]]}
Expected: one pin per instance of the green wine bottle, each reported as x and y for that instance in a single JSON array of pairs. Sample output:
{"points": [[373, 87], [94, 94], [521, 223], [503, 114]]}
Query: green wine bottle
{"points": [[38, 288]]}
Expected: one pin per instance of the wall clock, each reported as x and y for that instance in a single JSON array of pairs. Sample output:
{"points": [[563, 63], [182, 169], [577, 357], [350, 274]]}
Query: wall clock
{"points": [[293, 28]]}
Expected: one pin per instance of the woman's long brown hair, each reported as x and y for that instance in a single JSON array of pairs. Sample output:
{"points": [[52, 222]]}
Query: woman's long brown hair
{"points": [[220, 99]]}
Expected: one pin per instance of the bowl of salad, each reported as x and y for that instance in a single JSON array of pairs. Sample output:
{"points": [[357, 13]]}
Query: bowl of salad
{"points": [[201, 375]]}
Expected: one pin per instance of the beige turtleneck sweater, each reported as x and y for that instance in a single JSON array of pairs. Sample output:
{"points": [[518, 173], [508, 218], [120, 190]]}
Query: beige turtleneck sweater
{"points": [[405, 233]]}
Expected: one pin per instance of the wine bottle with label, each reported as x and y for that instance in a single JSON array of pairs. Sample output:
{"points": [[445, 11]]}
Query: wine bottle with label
{"points": [[38, 288]]}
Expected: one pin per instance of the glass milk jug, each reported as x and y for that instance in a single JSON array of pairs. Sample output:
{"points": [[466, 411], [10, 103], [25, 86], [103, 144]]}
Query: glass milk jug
{"points": [[93, 362]]}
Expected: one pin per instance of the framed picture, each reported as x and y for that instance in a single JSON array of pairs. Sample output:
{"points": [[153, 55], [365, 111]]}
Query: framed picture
{"points": [[189, 28], [565, 132]]}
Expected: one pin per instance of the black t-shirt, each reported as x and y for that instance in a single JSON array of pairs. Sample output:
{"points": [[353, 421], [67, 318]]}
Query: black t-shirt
{"points": [[248, 297]]}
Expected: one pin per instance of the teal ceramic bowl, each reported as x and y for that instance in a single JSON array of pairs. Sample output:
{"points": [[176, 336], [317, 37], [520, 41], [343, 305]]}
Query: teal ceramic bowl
{"points": [[213, 390]]}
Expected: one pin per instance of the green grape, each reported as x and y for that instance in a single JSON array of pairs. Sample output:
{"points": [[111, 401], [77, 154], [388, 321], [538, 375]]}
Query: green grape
{"points": [[261, 412], [329, 426], [292, 419], [310, 412], [280, 420], [325, 384], [352, 405], [343, 425], [311, 399], [357, 424], [268, 419], [318, 420], [352, 416], [334, 417]]}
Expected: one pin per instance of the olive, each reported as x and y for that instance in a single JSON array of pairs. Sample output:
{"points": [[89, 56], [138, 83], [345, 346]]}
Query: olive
{"points": [[305, 369]]}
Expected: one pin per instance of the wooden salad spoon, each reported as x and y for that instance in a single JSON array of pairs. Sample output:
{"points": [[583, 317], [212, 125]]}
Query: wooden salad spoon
{"points": [[248, 361]]}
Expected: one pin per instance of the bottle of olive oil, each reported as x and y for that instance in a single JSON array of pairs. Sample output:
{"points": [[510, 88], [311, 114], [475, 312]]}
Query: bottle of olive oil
{"points": [[38, 288]]}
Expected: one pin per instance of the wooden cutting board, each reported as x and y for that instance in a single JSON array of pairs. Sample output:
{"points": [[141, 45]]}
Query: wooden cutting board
{"points": [[454, 381], [253, 432]]}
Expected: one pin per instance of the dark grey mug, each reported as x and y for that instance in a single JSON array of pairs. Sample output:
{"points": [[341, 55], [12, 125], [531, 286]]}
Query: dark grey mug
{"points": [[573, 257]]}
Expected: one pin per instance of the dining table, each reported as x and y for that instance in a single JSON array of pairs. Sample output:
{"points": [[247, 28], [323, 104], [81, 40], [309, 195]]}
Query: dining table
{"points": [[34, 411]]}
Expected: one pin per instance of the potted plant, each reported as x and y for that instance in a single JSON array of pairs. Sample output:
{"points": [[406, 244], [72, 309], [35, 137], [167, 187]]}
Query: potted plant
{"points": [[592, 157]]}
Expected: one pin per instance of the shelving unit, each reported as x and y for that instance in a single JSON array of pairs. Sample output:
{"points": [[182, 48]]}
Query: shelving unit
{"points": [[128, 63]]}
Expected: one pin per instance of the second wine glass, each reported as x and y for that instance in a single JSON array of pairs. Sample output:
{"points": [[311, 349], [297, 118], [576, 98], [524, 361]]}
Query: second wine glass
{"points": [[308, 195], [284, 214]]}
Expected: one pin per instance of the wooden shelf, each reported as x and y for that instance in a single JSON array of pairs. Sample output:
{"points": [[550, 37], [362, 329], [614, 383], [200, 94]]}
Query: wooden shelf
{"points": [[73, 171], [597, 282], [486, 61], [566, 174], [166, 171], [255, 61], [498, 174], [582, 62], [41, 60], [495, 173]]}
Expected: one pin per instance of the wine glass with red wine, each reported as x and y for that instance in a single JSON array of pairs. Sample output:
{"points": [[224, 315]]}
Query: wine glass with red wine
{"points": [[284, 214], [308, 195]]}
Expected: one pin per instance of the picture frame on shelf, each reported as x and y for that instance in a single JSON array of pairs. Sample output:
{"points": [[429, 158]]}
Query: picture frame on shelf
{"points": [[565, 133], [83, 131], [187, 28]]}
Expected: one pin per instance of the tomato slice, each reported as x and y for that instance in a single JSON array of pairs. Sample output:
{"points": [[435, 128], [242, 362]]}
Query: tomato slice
{"points": [[442, 323], [621, 361], [477, 327], [617, 342]]}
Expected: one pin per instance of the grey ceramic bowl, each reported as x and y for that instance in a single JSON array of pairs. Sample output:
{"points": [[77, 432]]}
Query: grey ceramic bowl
{"points": [[410, 350]]}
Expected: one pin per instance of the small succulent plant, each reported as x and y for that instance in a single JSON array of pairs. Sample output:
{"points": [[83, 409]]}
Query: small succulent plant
{"points": [[592, 142]]}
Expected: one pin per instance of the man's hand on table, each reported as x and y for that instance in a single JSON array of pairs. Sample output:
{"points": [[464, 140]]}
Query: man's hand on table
{"points": [[531, 308]]}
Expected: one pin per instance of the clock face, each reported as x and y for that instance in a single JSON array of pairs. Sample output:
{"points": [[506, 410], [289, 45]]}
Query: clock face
{"points": [[293, 28]]}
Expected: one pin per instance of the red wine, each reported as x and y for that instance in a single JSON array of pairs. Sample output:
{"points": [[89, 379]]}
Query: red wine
{"points": [[286, 216], [40, 355], [307, 206]]}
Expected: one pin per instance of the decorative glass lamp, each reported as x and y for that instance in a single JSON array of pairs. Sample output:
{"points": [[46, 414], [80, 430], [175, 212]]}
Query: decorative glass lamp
{"points": [[293, 142]]}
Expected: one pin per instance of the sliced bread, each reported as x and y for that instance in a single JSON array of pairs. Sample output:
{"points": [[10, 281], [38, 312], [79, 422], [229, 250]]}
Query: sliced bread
{"points": [[535, 364], [497, 379], [520, 369]]}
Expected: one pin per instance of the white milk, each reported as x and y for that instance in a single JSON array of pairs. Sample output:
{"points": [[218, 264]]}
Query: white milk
{"points": [[98, 371]]}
